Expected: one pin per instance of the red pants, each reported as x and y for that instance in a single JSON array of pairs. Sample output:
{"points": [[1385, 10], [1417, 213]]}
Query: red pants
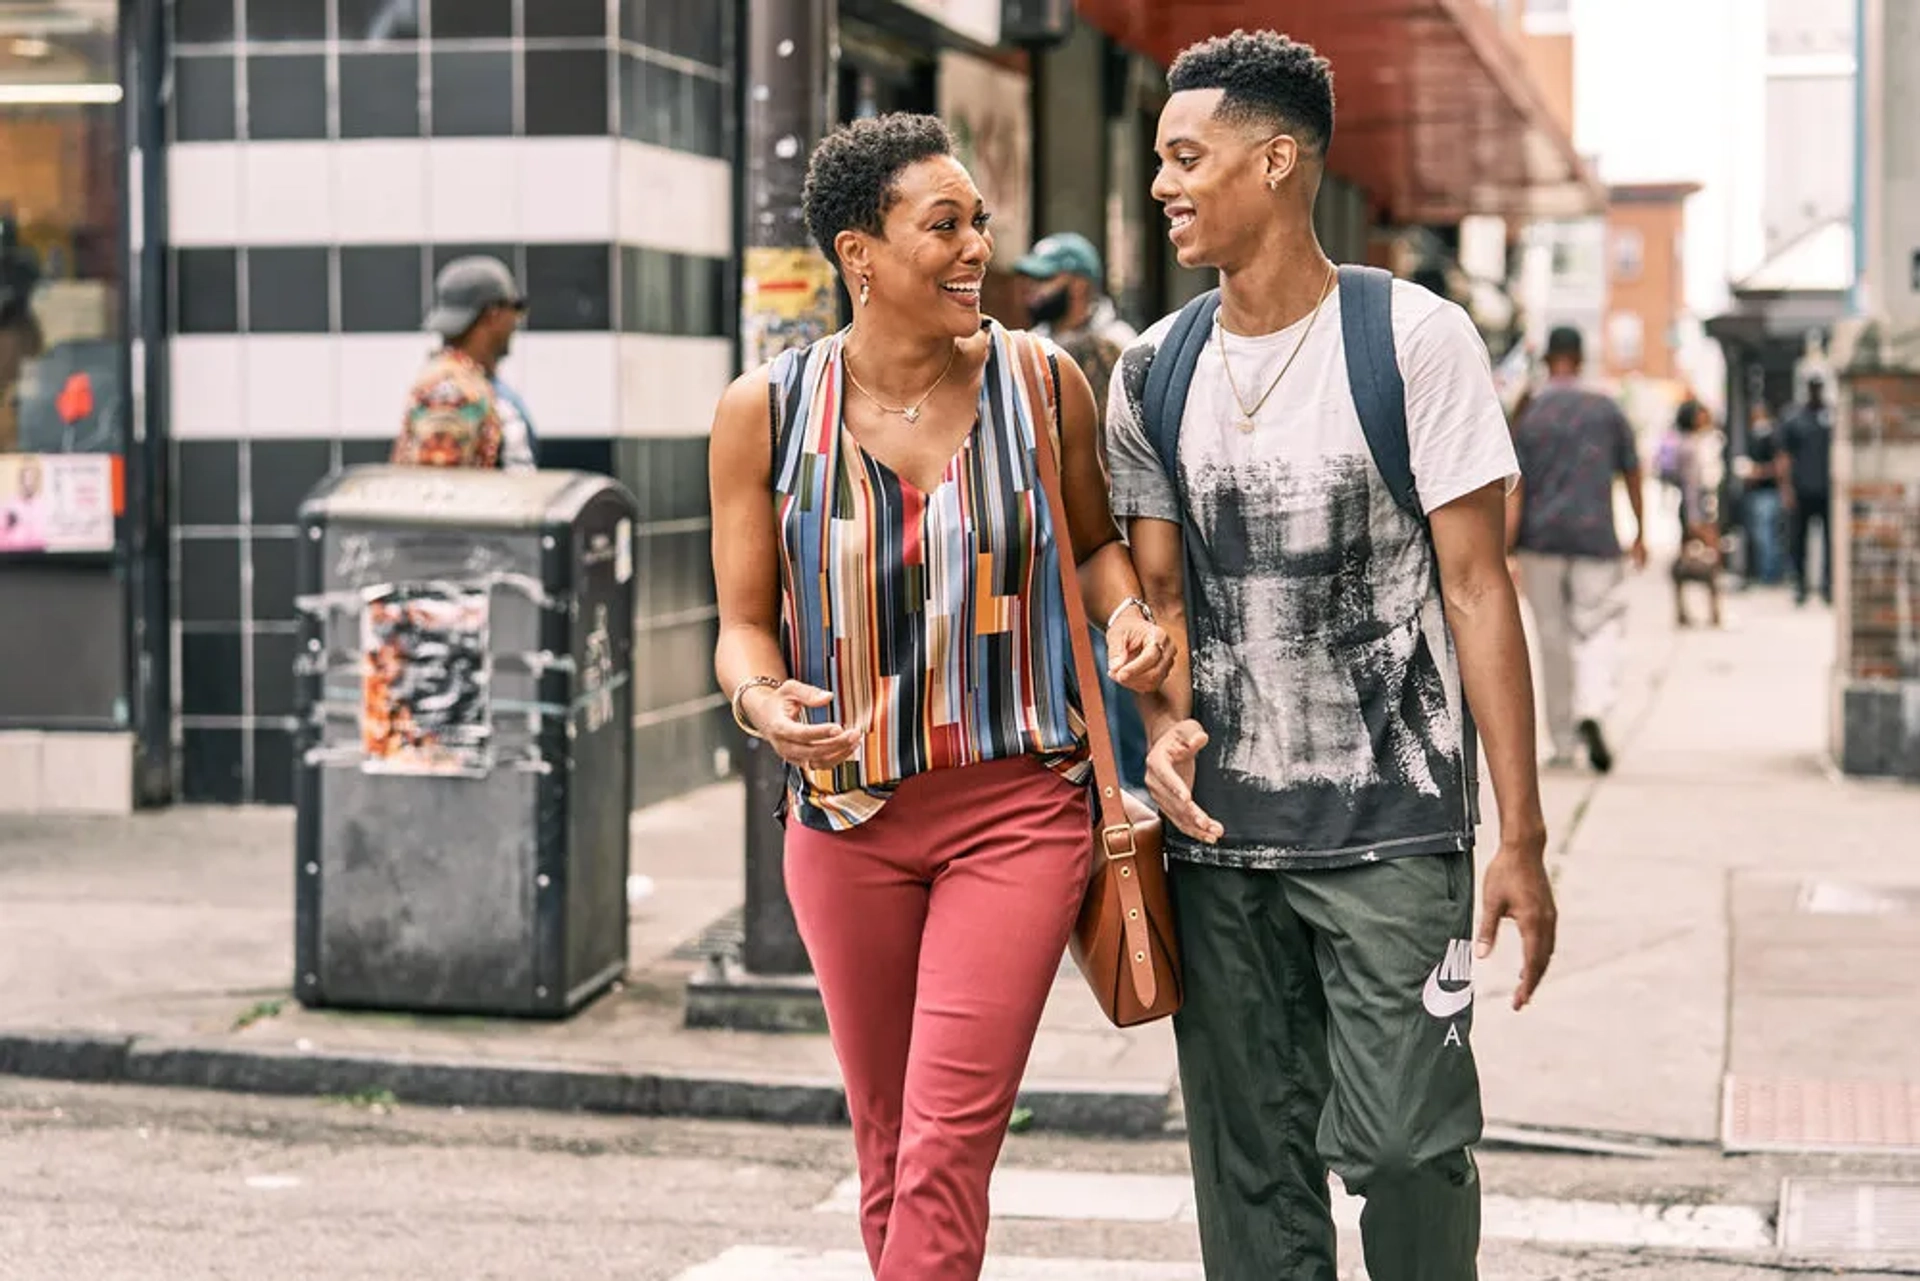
{"points": [[936, 929]]}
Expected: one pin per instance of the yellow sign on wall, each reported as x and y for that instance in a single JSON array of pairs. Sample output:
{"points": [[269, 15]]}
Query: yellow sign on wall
{"points": [[788, 300]]}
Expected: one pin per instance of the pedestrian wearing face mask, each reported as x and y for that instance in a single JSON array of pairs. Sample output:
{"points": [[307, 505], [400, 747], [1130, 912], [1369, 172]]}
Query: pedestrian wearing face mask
{"points": [[1066, 301]]}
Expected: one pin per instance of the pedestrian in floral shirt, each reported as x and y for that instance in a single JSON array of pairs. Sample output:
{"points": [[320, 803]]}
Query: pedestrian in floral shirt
{"points": [[458, 412]]}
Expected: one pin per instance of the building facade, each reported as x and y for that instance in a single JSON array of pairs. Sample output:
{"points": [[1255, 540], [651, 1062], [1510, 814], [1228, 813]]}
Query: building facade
{"points": [[247, 214], [220, 221], [1810, 118], [1783, 312], [1646, 280]]}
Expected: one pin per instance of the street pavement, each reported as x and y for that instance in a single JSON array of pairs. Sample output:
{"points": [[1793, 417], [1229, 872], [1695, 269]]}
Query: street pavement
{"points": [[133, 1184]]}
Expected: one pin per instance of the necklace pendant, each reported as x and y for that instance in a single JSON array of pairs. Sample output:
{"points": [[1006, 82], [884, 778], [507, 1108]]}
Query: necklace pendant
{"points": [[1246, 425], [911, 413]]}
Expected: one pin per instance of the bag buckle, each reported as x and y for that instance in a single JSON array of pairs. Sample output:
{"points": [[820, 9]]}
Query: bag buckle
{"points": [[1125, 848]]}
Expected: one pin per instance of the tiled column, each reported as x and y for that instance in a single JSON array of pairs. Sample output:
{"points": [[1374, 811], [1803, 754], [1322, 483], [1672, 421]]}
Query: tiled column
{"points": [[326, 158]]}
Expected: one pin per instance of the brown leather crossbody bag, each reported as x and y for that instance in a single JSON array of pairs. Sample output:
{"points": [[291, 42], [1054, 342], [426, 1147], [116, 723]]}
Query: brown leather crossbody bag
{"points": [[1124, 940]]}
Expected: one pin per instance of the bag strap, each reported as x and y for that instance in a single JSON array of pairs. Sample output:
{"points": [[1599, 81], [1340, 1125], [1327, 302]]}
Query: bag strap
{"points": [[1373, 372], [1170, 378], [1040, 374]]}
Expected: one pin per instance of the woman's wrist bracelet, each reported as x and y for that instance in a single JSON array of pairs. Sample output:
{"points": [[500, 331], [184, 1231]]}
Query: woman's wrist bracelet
{"points": [[740, 691], [1131, 602]]}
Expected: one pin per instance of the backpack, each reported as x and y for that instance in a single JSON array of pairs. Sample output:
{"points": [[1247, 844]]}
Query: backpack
{"points": [[1666, 458], [1373, 369]]}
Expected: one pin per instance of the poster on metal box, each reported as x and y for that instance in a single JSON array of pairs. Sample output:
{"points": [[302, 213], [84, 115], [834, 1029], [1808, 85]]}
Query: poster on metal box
{"points": [[425, 707]]}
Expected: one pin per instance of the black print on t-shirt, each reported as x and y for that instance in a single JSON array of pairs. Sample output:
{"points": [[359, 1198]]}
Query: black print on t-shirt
{"points": [[1314, 671]]}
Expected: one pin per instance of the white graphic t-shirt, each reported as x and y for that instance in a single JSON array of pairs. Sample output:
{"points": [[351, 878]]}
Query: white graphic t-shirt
{"points": [[1323, 671]]}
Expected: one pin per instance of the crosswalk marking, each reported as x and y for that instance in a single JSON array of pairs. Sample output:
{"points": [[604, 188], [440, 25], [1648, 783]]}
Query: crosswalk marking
{"points": [[1056, 1194], [1091, 1197], [1145, 1198], [767, 1263]]}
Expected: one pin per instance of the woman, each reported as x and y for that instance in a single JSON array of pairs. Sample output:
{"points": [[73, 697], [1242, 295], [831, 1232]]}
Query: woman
{"points": [[1698, 472], [892, 624]]}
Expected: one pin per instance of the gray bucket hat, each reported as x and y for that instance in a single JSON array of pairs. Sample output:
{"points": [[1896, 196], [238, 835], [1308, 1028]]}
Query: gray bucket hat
{"points": [[465, 288]]}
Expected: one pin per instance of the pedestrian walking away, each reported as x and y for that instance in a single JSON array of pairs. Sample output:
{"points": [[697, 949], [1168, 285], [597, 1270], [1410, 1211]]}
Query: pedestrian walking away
{"points": [[1573, 443], [1067, 302], [1313, 464], [893, 623], [1806, 445], [1763, 508], [459, 412]]}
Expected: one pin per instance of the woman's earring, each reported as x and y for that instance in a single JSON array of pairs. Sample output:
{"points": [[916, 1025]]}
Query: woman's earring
{"points": [[866, 290]]}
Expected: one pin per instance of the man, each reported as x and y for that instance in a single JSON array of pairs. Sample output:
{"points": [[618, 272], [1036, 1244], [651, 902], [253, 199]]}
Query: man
{"points": [[1761, 476], [1311, 750], [1572, 442], [1065, 302], [459, 413], [1806, 444]]}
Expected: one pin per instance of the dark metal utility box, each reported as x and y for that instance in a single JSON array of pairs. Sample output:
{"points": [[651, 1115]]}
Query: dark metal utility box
{"points": [[465, 762]]}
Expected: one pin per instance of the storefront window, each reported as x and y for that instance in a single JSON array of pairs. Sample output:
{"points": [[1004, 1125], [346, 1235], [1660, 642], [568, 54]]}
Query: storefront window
{"points": [[63, 397]]}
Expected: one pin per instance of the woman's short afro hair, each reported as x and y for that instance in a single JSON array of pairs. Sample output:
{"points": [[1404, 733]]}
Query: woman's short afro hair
{"points": [[851, 176], [1268, 79]]}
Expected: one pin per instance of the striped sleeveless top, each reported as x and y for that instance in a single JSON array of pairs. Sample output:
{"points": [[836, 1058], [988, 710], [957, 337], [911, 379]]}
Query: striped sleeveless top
{"points": [[935, 618]]}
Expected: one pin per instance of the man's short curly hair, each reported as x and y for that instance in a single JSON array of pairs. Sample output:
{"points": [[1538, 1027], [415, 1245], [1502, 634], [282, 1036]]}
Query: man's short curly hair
{"points": [[852, 174], [1269, 79]]}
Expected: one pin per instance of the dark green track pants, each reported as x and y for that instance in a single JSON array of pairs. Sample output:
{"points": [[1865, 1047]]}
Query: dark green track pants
{"points": [[1327, 1026]]}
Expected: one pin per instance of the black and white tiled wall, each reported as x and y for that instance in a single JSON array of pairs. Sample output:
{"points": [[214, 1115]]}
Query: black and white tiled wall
{"points": [[326, 157]]}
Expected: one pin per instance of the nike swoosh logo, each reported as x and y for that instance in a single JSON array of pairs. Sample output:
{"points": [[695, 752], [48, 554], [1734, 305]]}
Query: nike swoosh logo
{"points": [[1441, 1003]]}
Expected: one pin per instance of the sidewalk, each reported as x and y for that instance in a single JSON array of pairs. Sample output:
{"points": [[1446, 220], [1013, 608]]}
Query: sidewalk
{"points": [[1728, 904], [158, 948]]}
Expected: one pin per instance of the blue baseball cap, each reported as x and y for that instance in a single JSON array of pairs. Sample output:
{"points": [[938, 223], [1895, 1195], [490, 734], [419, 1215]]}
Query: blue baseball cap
{"points": [[1063, 253]]}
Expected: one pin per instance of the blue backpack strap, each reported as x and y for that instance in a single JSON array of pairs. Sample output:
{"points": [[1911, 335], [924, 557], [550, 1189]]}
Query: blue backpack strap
{"points": [[1379, 394], [1171, 377]]}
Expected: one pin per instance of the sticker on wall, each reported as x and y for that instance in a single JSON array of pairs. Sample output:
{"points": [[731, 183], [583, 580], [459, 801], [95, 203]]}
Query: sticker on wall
{"points": [[58, 502], [787, 300], [425, 671]]}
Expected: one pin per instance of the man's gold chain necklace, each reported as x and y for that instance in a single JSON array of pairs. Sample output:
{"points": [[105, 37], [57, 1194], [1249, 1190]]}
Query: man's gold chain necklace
{"points": [[1219, 334]]}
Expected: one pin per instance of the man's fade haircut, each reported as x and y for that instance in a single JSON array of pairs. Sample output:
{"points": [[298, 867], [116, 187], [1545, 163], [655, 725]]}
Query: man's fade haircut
{"points": [[1269, 79], [852, 176]]}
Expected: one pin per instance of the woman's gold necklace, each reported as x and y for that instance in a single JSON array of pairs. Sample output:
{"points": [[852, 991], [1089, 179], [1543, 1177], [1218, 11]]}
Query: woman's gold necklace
{"points": [[909, 412], [1219, 333]]}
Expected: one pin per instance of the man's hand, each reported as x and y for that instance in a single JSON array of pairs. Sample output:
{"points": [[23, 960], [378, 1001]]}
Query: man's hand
{"points": [[1638, 552], [1516, 887], [1170, 780]]}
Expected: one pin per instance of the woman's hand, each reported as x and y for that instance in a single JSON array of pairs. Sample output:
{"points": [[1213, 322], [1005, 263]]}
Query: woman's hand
{"points": [[781, 715], [1139, 654]]}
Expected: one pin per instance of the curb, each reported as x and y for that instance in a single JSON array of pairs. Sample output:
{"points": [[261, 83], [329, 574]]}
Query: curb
{"points": [[65, 1056], [1070, 1108]]}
